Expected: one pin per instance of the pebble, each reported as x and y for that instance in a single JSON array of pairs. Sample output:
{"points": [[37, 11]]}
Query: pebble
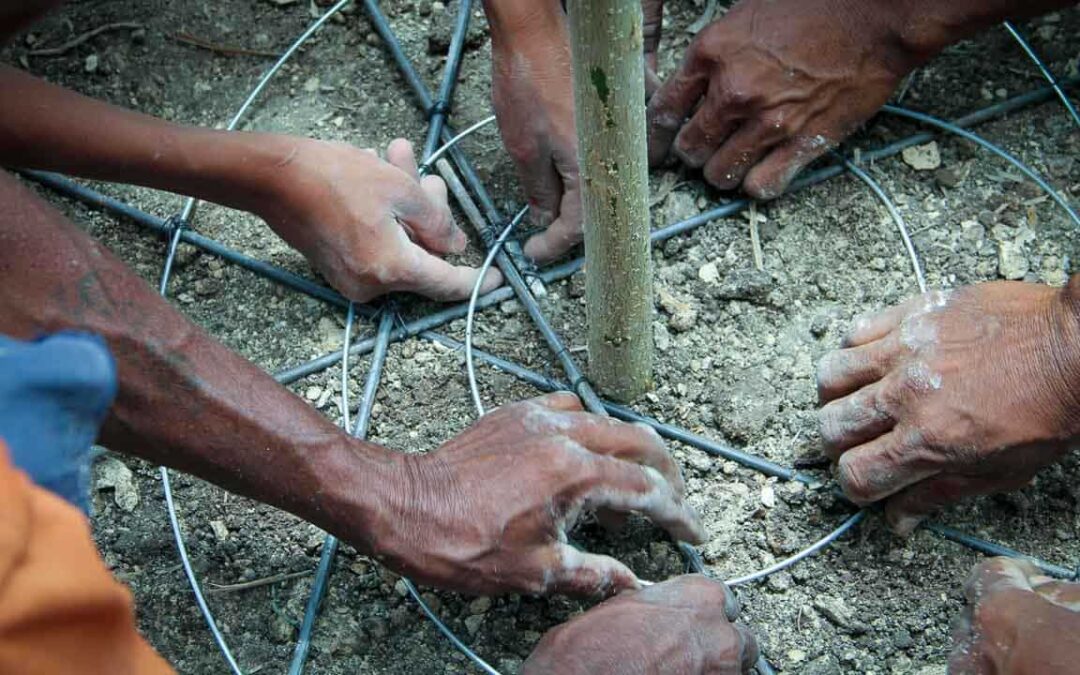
{"points": [[115, 475], [768, 496], [661, 337], [472, 623], [480, 605], [219, 529], [1012, 260], [924, 157], [400, 588], [709, 273], [90, 65], [281, 631], [313, 393]]}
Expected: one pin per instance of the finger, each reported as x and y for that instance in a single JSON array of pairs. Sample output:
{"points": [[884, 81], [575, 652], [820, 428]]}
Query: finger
{"points": [[749, 650], [400, 154], [1061, 593], [870, 327], [626, 487], [691, 591], [998, 574], [543, 188], [561, 235], [437, 279], [904, 511], [772, 175], [652, 80], [884, 466], [428, 220], [560, 400], [843, 371], [703, 135], [631, 442], [672, 103], [578, 573], [854, 420], [453, 239], [740, 152]]}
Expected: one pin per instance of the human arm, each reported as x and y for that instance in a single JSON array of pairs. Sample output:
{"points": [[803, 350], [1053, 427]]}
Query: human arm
{"points": [[775, 84], [368, 226], [1017, 622], [486, 512], [952, 394], [683, 626]]}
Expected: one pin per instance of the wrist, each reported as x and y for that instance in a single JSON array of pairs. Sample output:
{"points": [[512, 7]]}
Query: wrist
{"points": [[356, 487], [515, 23], [1065, 354]]}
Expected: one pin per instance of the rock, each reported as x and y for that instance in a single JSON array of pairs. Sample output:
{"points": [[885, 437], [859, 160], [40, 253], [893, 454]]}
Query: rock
{"points": [[683, 315], [90, 65], [313, 393], [949, 177], [1012, 259], [709, 273], [281, 631], [661, 337], [823, 665], [472, 623], [750, 284], [577, 285], [400, 588], [219, 529], [330, 333], [922, 157], [510, 307], [480, 605], [972, 230], [678, 206], [901, 639], [768, 496], [312, 84], [819, 326], [796, 656], [838, 613], [116, 476]]}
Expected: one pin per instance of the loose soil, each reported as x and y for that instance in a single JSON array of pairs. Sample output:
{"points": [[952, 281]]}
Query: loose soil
{"points": [[738, 367]]}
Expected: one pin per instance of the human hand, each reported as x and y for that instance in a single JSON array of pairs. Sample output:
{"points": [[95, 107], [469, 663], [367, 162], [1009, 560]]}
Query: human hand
{"points": [[532, 93], [779, 83], [1017, 622], [679, 627], [368, 226], [952, 394], [653, 18], [488, 511]]}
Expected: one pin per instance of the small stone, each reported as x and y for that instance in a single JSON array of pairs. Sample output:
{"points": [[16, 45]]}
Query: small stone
{"points": [[709, 273], [1012, 260], [90, 65], [138, 36], [311, 85], [819, 325], [683, 315], [219, 529], [768, 496], [437, 7], [901, 639], [922, 157], [577, 285], [510, 307], [948, 177], [700, 462], [281, 631], [972, 230], [661, 337], [472, 623], [313, 393], [400, 588], [796, 656], [838, 613], [480, 605], [116, 476]]}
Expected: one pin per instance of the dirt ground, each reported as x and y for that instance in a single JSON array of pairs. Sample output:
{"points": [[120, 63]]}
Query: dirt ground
{"points": [[738, 366]]}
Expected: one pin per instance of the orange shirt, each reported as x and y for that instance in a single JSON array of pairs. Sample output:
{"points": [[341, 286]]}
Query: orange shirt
{"points": [[60, 610]]}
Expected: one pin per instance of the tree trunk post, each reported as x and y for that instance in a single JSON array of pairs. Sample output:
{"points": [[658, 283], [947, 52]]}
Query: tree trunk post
{"points": [[609, 107]]}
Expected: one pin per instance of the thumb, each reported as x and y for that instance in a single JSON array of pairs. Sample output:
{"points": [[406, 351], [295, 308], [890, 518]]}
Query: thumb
{"points": [[582, 574]]}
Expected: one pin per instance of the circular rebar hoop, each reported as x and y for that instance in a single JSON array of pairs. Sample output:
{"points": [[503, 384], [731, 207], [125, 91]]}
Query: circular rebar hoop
{"points": [[1041, 65], [425, 168]]}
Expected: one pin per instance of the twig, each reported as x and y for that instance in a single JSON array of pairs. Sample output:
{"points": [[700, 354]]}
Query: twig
{"points": [[255, 583], [75, 42], [189, 39], [755, 238]]}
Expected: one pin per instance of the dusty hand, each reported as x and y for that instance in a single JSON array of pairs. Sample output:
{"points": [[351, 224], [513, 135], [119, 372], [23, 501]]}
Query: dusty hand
{"points": [[952, 394], [652, 28], [533, 98], [369, 226], [1018, 622], [779, 83], [679, 627], [488, 511]]}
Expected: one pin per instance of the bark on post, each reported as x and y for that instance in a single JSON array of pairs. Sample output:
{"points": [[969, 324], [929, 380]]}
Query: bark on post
{"points": [[609, 102]]}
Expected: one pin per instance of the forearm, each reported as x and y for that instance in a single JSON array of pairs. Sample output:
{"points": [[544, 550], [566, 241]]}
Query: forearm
{"points": [[43, 126], [185, 400], [929, 26]]}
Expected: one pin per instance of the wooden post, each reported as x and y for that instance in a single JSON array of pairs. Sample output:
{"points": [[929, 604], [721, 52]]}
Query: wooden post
{"points": [[609, 106]]}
